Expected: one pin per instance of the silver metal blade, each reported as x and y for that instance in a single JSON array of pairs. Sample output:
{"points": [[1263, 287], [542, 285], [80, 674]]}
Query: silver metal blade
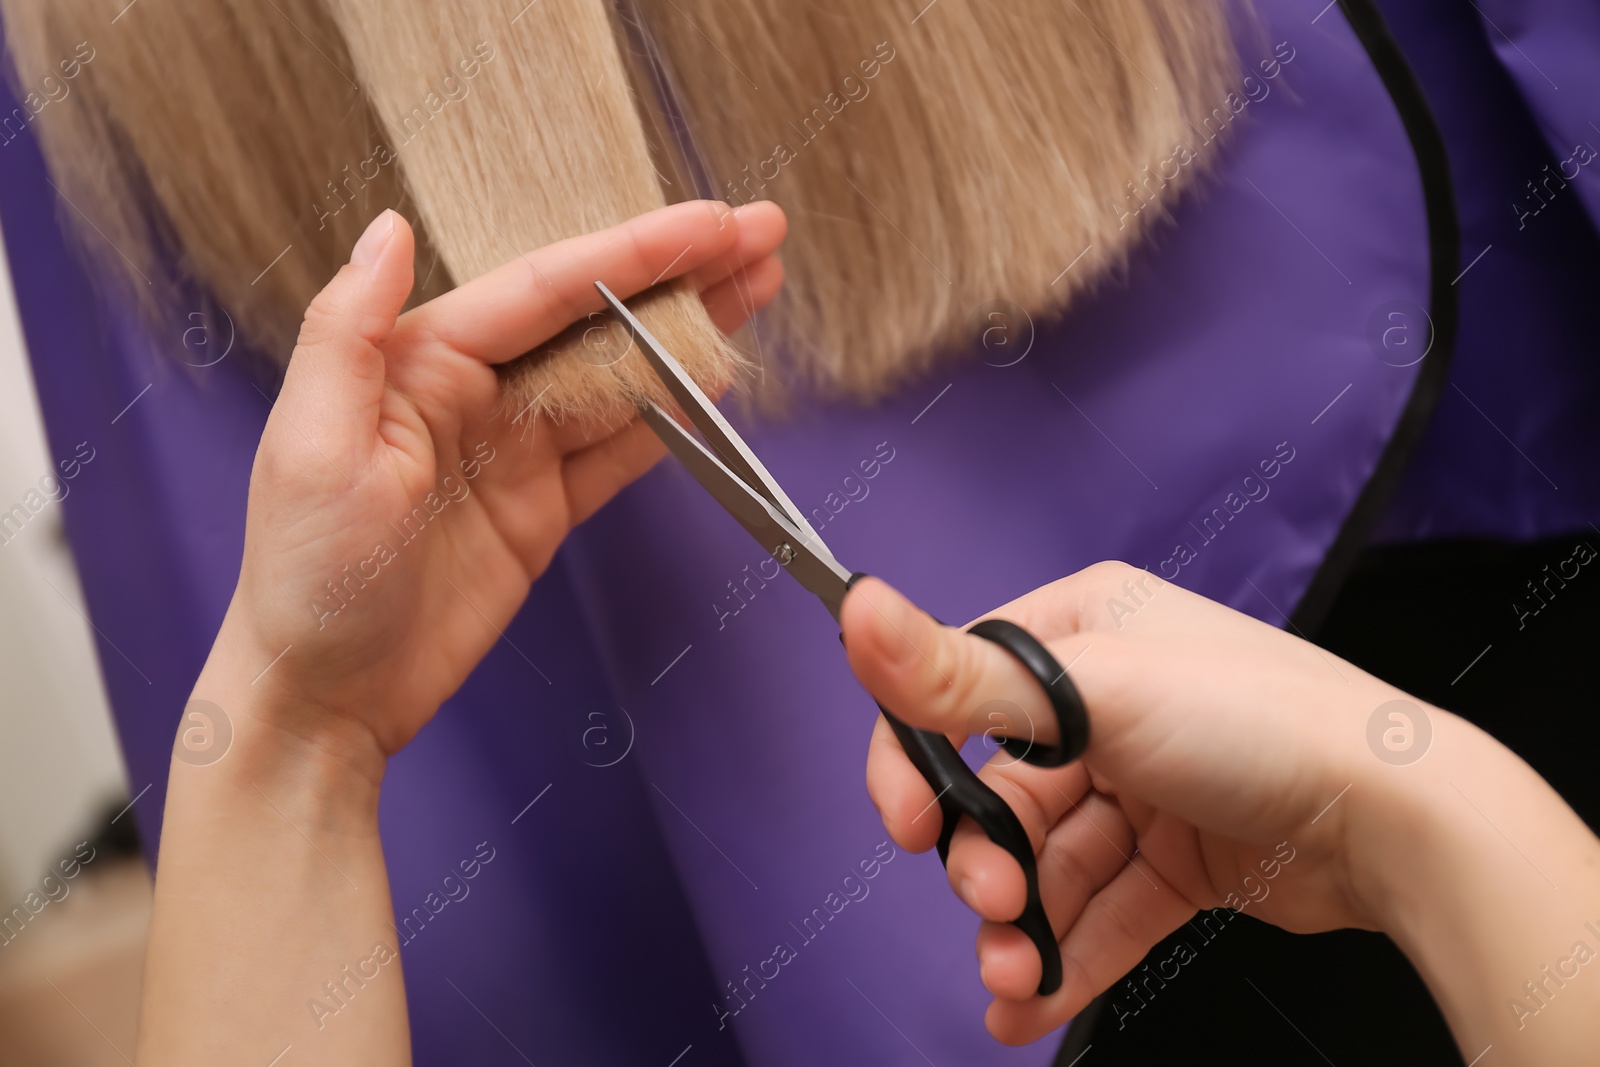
{"points": [[806, 558], [722, 438]]}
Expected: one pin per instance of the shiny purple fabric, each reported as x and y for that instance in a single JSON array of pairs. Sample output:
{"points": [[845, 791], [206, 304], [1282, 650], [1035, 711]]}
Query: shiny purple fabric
{"points": [[695, 723], [1510, 450], [574, 943], [1241, 334], [1548, 50]]}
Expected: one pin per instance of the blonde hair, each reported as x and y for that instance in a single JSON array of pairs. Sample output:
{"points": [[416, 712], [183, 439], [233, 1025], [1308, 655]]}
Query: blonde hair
{"points": [[931, 161]]}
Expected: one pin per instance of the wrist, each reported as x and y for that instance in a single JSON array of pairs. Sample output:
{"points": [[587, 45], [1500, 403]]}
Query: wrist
{"points": [[1408, 835], [247, 724], [1456, 829], [1481, 874]]}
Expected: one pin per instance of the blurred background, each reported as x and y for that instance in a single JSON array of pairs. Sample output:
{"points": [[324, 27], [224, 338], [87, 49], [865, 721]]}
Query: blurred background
{"points": [[71, 948]]}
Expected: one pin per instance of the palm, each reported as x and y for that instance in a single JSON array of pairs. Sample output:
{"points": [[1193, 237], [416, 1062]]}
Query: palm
{"points": [[1204, 870], [469, 580]]}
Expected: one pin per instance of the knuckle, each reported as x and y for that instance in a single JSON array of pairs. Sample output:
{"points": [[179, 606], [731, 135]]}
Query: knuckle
{"points": [[1077, 977], [282, 459], [420, 334], [322, 322], [1109, 574], [1021, 800], [963, 672], [271, 466], [1063, 867], [637, 248], [1064, 864], [337, 315], [1124, 923]]}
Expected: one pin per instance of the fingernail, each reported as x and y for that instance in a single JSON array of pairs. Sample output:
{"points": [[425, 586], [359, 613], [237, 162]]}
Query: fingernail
{"points": [[968, 896], [375, 240]]}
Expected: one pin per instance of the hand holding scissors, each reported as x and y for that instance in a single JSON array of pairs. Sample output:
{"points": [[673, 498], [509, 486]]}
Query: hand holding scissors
{"points": [[732, 474]]}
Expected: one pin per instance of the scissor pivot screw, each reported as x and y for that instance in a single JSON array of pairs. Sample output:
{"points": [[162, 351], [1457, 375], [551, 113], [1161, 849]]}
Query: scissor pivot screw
{"points": [[784, 554]]}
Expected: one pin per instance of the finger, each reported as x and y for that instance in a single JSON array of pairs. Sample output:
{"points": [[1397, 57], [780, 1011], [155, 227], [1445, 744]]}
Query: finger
{"points": [[936, 677], [987, 877], [1083, 855], [1118, 926], [516, 307], [334, 384], [733, 300], [762, 226], [593, 475], [904, 799]]}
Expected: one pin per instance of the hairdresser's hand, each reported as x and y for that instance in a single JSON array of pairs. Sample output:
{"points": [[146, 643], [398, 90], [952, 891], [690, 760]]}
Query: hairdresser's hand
{"points": [[1219, 757], [398, 510]]}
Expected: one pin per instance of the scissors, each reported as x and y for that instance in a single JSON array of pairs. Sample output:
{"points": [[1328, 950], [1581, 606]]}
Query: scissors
{"points": [[733, 475]]}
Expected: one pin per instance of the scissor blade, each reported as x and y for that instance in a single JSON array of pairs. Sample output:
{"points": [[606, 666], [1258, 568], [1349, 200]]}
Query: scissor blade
{"points": [[724, 440], [811, 564]]}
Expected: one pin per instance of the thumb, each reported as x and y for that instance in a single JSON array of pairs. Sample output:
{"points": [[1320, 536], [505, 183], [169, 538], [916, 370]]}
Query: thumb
{"points": [[936, 677], [334, 383]]}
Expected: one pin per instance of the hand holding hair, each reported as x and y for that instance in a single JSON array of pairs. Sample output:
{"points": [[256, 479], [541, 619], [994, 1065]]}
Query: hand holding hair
{"points": [[399, 506], [398, 513], [1229, 767]]}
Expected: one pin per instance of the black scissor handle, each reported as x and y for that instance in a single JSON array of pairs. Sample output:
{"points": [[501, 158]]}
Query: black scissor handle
{"points": [[1072, 719], [961, 792]]}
